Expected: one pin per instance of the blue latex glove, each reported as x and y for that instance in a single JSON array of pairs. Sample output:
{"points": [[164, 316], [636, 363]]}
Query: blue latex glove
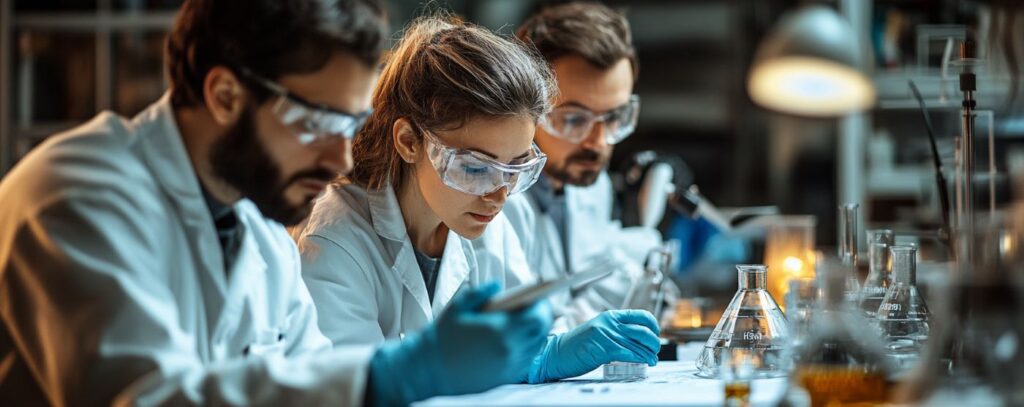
{"points": [[612, 336], [464, 351]]}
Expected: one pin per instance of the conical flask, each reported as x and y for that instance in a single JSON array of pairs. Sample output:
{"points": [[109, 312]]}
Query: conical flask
{"points": [[840, 363], [879, 271], [753, 324], [903, 315]]}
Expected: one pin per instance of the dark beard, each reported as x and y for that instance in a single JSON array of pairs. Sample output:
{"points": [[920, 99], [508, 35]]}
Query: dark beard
{"points": [[585, 178], [240, 159]]}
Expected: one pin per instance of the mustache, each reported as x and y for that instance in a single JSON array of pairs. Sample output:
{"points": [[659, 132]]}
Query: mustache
{"points": [[583, 155]]}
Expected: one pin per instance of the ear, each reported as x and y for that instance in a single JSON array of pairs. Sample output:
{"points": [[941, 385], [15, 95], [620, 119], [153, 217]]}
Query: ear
{"points": [[406, 141], [224, 95]]}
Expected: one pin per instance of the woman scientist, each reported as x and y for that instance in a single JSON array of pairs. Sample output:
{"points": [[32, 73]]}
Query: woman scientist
{"points": [[450, 137]]}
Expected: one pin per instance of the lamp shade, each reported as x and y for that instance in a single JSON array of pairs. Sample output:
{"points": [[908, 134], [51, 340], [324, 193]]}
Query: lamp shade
{"points": [[808, 66]]}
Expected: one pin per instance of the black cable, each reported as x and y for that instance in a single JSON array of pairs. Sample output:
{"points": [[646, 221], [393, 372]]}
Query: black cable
{"points": [[940, 179]]}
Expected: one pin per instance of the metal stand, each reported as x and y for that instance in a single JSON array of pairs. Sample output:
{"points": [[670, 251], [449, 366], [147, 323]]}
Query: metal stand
{"points": [[965, 197]]}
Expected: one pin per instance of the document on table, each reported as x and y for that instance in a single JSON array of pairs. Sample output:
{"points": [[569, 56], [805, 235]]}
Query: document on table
{"points": [[667, 384]]}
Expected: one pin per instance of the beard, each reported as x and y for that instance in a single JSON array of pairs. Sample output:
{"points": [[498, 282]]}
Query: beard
{"points": [[585, 177], [241, 160]]}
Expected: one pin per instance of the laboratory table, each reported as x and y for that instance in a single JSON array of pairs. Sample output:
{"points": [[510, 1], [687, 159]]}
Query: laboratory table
{"points": [[670, 383]]}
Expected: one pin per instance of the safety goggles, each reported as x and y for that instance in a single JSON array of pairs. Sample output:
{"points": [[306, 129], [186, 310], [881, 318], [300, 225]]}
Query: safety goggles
{"points": [[477, 174], [573, 123], [314, 122]]}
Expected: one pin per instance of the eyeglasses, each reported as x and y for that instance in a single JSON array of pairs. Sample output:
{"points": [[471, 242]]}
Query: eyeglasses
{"points": [[573, 124], [315, 122], [477, 174]]}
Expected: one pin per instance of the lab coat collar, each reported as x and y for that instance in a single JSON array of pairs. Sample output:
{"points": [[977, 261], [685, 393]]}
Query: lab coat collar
{"points": [[389, 223], [543, 193], [456, 262], [163, 149]]}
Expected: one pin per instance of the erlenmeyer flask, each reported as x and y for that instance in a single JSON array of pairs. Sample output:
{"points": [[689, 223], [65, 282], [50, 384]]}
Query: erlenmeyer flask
{"points": [[752, 324], [840, 362], [879, 269], [903, 315]]}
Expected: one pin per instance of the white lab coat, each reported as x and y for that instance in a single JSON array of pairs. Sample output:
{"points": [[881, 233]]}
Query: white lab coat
{"points": [[359, 265], [595, 241], [113, 288]]}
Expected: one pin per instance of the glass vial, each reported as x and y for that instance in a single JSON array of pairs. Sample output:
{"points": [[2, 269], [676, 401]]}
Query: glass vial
{"points": [[848, 249]]}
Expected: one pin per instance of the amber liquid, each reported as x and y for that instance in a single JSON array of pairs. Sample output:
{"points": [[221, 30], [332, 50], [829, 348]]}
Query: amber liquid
{"points": [[737, 394], [842, 386]]}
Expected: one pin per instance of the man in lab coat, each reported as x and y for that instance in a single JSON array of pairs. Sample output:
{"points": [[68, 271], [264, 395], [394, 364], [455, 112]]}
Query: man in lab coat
{"points": [[564, 221], [144, 261]]}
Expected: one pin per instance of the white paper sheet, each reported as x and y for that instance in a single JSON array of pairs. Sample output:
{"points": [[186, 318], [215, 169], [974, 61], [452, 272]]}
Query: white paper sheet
{"points": [[667, 384]]}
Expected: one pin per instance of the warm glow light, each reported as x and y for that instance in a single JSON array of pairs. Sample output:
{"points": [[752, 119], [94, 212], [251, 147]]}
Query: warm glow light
{"points": [[1006, 244], [810, 87], [792, 266]]}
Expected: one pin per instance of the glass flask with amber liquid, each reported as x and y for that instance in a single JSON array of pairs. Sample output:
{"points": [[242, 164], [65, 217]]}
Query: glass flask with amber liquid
{"points": [[841, 362]]}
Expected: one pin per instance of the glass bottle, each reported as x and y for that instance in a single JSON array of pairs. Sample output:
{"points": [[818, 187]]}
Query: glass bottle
{"points": [[753, 325], [879, 271], [848, 249], [840, 363]]}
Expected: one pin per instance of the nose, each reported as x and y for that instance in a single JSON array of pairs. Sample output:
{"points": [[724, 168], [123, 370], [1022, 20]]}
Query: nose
{"points": [[596, 140], [337, 156], [498, 197]]}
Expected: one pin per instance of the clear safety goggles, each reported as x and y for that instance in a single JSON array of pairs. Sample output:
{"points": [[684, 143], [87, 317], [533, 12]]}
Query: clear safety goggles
{"points": [[573, 123], [477, 174], [314, 122]]}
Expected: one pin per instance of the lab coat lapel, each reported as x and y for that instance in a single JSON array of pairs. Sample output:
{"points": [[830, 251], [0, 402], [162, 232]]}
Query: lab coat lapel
{"points": [[164, 153], [247, 268], [389, 224], [455, 265]]}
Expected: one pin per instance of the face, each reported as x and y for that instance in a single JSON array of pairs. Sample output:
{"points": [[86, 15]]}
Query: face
{"points": [[263, 159], [583, 85], [503, 139]]}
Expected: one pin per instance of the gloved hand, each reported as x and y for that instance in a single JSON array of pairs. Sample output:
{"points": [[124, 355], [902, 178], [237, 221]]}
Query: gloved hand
{"points": [[612, 336], [464, 351]]}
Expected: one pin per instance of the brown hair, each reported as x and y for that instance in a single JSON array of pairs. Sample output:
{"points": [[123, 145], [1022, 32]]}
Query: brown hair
{"points": [[441, 74], [270, 37], [591, 30]]}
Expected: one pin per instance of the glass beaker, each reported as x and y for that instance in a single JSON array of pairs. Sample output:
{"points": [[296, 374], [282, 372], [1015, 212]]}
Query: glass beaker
{"points": [[903, 315], [789, 251], [753, 325], [879, 271], [801, 301]]}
